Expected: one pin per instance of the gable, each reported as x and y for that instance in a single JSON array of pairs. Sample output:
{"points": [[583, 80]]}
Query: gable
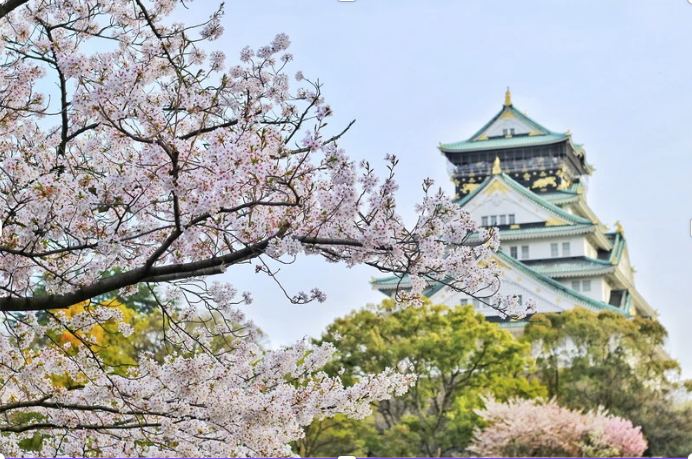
{"points": [[499, 198], [507, 121]]}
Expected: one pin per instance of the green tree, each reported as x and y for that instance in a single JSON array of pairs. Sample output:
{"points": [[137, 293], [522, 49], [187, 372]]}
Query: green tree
{"points": [[457, 357], [588, 360]]}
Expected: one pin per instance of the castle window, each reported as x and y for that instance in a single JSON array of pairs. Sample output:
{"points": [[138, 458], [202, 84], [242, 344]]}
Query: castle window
{"points": [[463, 301], [493, 220], [484, 221], [513, 252], [504, 132], [575, 285], [521, 301], [511, 219], [565, 249], [524, 251], [503, 219], [586, 286], [511, 131], [553, 250]]}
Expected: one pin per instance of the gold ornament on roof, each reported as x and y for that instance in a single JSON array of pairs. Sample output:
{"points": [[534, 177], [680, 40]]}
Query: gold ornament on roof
{"points": [[508, 98], [496, 166], [619, 228]]}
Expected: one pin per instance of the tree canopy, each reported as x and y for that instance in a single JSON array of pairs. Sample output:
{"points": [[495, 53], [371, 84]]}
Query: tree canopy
{"points": [[589, 360], [456, 356]]}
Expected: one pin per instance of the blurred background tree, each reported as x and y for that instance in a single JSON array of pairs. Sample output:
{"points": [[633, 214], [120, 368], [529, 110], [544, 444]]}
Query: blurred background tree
{"points": [[457, 356], [587, 360]]}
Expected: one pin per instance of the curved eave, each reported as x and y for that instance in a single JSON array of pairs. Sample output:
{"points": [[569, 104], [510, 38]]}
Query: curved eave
{"points": [[641, 305], [618, 245], [550, 231], [599, 239], [568, 274], [585, 301], [561, 200], [498, 144]]}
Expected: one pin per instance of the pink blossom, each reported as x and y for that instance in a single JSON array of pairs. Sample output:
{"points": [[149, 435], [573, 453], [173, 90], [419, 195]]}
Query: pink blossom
{"points": [[146, 165], [535, 428]]}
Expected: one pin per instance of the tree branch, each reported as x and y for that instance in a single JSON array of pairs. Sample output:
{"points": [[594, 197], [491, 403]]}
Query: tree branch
{"points": [[9, 6]]}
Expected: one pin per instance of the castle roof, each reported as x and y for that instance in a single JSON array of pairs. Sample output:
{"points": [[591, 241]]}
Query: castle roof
{"points": [[507, 129]]}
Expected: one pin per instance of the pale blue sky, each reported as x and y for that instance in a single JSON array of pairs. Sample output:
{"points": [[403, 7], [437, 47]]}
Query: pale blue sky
{"points": [[414, 73]]}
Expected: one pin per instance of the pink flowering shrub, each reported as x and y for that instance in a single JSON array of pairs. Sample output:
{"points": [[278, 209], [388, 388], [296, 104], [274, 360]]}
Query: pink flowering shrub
{"points": [[536, 428]]}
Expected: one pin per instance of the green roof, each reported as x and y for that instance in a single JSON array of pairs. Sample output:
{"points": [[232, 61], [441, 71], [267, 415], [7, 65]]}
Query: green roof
{"points": [[557, 285], [563, 267], [543, 136], [528, 194], [562, 230], [392, 281], [563, 196], [504, 142], [618, 241]]}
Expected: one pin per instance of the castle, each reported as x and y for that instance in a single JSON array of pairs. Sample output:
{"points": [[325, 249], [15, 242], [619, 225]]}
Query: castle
{"points": [[531, 183]]}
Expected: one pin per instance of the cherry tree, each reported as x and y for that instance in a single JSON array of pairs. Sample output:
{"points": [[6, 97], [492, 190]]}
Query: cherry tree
{"points": [[534, 428], [128, 148]]}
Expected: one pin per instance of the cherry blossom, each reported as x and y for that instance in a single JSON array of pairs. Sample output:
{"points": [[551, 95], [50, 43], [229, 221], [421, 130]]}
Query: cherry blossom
{"points": [[534, 428], [155, 161]]}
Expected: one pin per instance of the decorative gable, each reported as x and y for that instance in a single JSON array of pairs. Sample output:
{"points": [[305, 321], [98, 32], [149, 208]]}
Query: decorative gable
{"points": [[508, 123], [500, 198]]}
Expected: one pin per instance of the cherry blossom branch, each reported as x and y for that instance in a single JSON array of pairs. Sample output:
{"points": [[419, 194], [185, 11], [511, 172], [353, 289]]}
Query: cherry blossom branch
{"points": [[10, 5]]}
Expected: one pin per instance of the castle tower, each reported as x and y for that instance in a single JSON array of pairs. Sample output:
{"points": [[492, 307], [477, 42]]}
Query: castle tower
{"points": [[530, 183]]}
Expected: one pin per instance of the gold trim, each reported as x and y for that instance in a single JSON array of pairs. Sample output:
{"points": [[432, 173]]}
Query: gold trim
{"points": [[619, 228], [514, 226], [469, 187], [496, 166], [495, 186], [544, 182], [552, 221], [508, 98]]}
